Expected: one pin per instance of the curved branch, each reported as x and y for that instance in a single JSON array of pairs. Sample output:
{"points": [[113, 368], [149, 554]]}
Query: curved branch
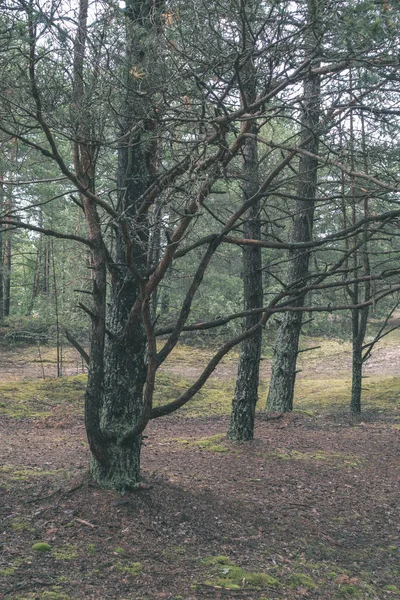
{"points": [[49, 232]]}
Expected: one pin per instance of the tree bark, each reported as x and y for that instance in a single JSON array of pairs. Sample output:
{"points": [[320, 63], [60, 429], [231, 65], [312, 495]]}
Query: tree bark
{"points": [[283, 376], [359, 317], [241, 427], [1, 258], [7, 273]]}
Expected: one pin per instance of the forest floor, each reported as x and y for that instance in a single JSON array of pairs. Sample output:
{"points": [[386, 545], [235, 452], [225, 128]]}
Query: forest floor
{"points": [[310, 509]]}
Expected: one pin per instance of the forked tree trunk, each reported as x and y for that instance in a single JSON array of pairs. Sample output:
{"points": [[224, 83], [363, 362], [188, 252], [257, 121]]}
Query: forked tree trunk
{"points": [[122, 394], [283, 376], [114, 399]]}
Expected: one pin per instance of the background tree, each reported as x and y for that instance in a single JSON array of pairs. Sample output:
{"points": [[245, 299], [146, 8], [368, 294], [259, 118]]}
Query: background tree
{"points": [[283, 376]]}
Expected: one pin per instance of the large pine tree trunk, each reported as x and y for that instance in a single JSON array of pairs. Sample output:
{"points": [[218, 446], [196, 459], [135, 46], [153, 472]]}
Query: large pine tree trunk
{"points": [[283, 376], [241, 427]]}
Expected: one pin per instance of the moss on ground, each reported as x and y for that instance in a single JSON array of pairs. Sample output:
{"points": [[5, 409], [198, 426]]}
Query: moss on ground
{"points": [[38, 398], [15, 473], [392, 588], [301, 580], [7, 571], [90, 548], [332, 394], [67, 552], [213, 443], [129, 568], [41, 547], [214, 398], [313, 394], [349, 590], [54, 595], [331, 458], [19, 524], [226, 574]]}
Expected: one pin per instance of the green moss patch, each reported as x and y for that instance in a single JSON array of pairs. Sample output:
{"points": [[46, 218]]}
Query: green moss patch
{"points": [[214, 398], [301, 580], [331, 394], [129, 568], [41, 547], [15, 473], [68, 552], [38, 398], [90, 548], [18, 524], [392, 588], [227, 575], [213, 443], [348, 590], [215, 561], [7, 571]]}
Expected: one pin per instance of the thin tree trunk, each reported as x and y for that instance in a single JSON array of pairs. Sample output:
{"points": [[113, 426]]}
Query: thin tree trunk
{"points": [[7, 273], [1, 257], [36, 276], [283, 376], [359, 316], [46, 267]]}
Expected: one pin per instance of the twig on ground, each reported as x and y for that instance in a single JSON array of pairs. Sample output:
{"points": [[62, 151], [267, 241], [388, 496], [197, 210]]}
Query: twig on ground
{"points": [[83, 522], [39, 498]]}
